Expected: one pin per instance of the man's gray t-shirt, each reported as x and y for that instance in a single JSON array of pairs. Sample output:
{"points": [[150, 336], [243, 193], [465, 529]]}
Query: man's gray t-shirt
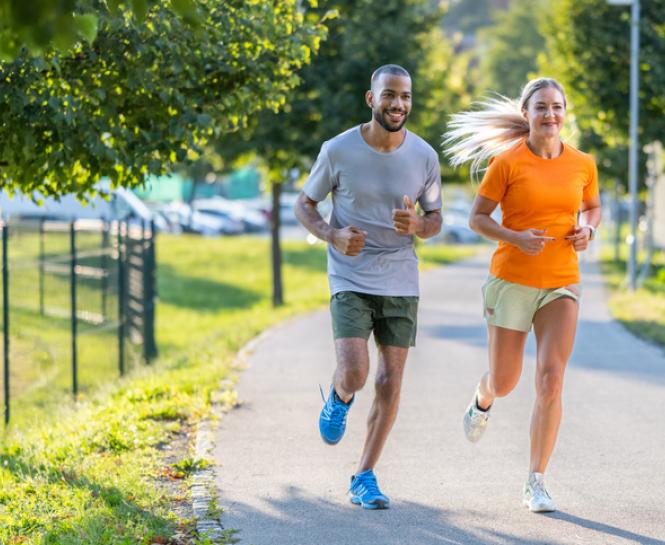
{"points": [[366, 186]]}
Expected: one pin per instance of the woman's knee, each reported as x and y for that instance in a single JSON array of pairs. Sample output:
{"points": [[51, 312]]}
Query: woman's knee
{"points": [[549, 384], [501, 387]]}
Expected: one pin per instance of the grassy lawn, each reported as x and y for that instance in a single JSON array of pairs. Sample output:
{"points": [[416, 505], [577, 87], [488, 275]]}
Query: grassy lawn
{"points": [[642, 312], [112, 468]]}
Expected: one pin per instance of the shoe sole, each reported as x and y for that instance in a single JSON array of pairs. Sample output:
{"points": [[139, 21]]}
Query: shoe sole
{"points": [[525, 503], [371, 506], [328, 442]]}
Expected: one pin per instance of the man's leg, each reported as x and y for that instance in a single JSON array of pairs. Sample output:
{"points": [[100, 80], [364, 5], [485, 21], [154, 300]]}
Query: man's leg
{"points": [[388, 384], [349, 377], [352, 366]]}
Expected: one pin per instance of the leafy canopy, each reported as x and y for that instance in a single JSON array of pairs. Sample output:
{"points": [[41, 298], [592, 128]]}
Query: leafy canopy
{"points": [[367, 34], [143, 97], [589, 43]]}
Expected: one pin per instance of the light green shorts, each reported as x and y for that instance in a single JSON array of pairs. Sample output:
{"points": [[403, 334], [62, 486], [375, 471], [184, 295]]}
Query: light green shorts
{"points": [[513, 306]]}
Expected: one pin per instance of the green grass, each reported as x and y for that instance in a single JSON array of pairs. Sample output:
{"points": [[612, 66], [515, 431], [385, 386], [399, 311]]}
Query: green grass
{"points": [[102, 471], [643, 311], [40, 344]]}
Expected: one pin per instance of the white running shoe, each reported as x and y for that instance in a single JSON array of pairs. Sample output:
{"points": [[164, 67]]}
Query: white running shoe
{"points": [[536, 497], [475, 421]]}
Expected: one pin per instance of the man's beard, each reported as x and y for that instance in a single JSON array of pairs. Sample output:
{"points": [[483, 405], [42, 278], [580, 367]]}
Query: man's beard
{"points": [[381, 120]]}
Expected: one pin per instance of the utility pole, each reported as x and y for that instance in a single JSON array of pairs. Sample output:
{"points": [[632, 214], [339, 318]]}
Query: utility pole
{"points": [[633, 148]]}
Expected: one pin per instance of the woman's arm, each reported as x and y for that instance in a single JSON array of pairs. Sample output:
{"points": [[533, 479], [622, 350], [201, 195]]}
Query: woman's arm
{"points": [[530, 241], [590, 214]]}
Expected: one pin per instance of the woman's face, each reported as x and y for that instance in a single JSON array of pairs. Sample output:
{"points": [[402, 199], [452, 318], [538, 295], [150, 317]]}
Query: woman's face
{"points": [[545, 112]]}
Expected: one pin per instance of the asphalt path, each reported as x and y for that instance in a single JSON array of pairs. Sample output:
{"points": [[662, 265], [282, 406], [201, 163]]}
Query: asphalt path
{"points": [[280, 485]]}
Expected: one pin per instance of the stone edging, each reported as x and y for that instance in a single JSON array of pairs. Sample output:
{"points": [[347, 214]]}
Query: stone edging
{"points": [[203, 480]]}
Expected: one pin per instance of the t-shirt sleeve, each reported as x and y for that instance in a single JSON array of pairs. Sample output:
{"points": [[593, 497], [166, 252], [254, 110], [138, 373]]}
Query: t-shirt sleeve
{"points": [[495, 181], [321, 179], [591, 186], [430, 198]]}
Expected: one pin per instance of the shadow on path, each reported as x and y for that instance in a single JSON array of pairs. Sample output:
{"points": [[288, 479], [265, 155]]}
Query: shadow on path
{"points": [[297, 519], [603, 528]]}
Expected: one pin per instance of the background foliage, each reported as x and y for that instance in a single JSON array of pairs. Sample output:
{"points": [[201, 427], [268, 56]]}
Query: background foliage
{"points": [[136, 101]]}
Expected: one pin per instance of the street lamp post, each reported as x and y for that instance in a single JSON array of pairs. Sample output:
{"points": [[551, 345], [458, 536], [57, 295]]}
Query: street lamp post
{"points": [[634, 144]]}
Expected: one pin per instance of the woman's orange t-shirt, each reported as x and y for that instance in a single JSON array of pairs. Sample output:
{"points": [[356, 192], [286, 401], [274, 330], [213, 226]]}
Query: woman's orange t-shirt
{"points": [[543, 194]]}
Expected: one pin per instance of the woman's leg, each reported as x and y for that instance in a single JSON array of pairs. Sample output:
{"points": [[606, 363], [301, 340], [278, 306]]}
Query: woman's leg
{"points": [[554, 325], [506, 351]]}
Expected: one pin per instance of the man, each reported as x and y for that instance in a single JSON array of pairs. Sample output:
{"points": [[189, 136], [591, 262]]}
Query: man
{"points": [[376, 172]]}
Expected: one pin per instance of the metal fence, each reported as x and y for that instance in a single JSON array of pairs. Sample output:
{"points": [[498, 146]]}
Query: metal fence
{"points": [[78, 306]]}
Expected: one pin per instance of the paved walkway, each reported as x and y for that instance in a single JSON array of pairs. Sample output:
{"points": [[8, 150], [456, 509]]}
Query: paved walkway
{"points": [[280, 485]]}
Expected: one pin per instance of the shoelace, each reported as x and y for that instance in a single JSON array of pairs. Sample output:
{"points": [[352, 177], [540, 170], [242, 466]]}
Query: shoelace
{"points": [[336, 416], [370, 485], [538, 488]]}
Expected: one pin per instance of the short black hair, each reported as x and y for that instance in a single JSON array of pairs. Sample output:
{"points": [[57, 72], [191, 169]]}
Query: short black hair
{"points": [[393, 69]]}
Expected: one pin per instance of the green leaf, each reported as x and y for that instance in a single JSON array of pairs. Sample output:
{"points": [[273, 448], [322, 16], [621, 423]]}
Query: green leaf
{"points": [[187, 10], [140, 9], [86, 26]]}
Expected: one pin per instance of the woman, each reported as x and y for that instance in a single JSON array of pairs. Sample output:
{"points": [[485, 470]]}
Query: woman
{"points": [[541, 184]]}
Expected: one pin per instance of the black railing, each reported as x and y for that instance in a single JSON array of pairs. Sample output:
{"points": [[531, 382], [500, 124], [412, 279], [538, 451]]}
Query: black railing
{"points": [[59, 283]]}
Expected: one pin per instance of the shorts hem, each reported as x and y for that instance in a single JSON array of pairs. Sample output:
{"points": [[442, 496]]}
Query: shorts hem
{"points": [[504, 325]]}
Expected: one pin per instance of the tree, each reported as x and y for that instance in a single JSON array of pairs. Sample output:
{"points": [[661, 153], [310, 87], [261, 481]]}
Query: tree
{"points": [[589, 51], [444, 83], [509, 58], [468, 16], [365, 35], [136, 101], [40, 24]]}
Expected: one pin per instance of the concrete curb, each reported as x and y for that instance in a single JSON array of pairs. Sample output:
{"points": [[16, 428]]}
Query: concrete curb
{"points": [[203, 480]]}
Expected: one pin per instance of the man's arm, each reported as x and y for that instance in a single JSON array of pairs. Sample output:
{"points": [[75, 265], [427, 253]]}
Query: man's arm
{"points": [[409, 222], [348, 240]]}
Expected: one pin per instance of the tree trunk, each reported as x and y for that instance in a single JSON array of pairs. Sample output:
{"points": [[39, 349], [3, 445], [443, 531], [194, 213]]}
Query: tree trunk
{"points": [[277, 291]]}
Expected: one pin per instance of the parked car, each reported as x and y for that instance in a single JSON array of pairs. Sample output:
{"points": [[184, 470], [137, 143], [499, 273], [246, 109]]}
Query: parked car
{"points": [[252, 220], [455, 229], [121, 204], [183, 218]]}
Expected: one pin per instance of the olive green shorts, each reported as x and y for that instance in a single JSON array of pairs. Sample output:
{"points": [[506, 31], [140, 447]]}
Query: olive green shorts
{"points": [[392, 319], [513, 306]]}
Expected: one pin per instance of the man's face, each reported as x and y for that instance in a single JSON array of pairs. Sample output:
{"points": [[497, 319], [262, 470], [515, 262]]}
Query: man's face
{"points": [[390, 100]]}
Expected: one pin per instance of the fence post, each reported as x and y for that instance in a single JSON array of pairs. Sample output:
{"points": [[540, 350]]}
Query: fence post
{"points": [[5, 317], [72, 253], [104, 266], [152, 292], [145, 293], [121, 302], [41, 267]]}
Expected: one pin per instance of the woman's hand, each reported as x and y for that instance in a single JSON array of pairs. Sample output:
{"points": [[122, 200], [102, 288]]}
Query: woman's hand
{"points": [[531, 241], [580, 238]]}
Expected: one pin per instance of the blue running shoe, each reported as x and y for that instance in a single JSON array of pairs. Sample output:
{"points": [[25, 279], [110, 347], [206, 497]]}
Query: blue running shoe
{"points": [[365, 491], [332, 421]]}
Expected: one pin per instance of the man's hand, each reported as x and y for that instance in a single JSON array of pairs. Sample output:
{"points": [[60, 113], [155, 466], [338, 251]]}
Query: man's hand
{"points": [[349, 240], [407, 222], [531, 241], [580, 238]]}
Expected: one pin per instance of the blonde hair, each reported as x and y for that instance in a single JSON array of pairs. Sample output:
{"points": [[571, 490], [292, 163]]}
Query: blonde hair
{"points": [[496, 125]]}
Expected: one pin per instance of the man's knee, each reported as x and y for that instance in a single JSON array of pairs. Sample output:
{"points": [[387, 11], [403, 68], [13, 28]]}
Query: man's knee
{"points": [[353, 378], [388, 384]]}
